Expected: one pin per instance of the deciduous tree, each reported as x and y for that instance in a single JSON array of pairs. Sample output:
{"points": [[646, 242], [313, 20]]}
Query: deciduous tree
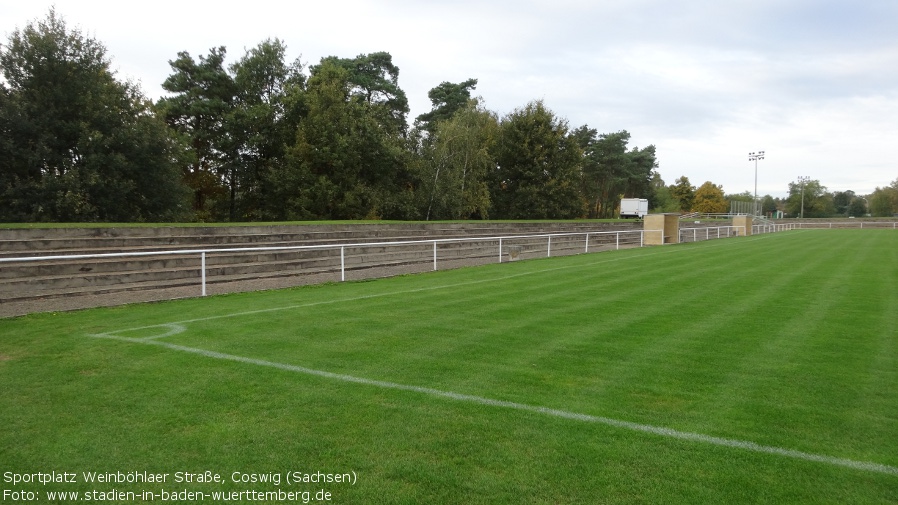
{"points": [[857, 207], [661, 200], [708, 198], [884, 201], [684, 192], [841, 200], [79, 145], [810, 196], [768, 205], [456, 163]]}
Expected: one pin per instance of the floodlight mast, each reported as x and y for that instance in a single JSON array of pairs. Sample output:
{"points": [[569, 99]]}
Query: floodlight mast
{"points": [[755, 157]]}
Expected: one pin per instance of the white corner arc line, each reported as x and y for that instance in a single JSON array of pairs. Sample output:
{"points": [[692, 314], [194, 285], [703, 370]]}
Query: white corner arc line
{"points": [[866, 466], [173, 329]]}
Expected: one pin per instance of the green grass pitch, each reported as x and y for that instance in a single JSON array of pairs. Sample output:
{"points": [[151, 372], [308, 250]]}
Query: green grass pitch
{"points": [[760, 369]]}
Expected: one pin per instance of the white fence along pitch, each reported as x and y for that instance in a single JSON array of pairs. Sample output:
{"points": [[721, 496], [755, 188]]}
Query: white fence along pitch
{"points": [[605, 240], [621, 238]]}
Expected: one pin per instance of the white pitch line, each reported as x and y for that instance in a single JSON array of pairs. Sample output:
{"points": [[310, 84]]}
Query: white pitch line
{"points": [[645, 428]]}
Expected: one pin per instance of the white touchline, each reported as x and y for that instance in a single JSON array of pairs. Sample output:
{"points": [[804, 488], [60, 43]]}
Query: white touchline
{"points": [[656, 430]]}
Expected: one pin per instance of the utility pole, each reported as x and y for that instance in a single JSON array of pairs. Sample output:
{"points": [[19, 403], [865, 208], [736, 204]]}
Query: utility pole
{"points": [[802, 179]]}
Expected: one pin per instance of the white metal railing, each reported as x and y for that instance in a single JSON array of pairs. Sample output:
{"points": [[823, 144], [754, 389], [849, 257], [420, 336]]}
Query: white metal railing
{"points": [[632, 238], [771, 227], [847, 224], [717, 231], [623, 237], [709, 215]]}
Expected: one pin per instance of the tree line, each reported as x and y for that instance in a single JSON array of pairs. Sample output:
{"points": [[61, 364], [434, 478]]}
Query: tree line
{"points": [[808, 198], [267, 139]]}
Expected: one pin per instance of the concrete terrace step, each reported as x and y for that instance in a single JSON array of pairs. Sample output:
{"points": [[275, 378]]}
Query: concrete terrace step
{"points": [[369, 230], [66, 278], [16, 278], [41, 245], [52, 286]]}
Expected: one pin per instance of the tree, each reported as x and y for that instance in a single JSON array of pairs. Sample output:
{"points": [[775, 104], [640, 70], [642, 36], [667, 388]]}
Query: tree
{"points": [[605, 162], [203, 97], [857, 208], [610, 172], [708, 198], [446, 99], [537, 167], [260, 126], [78, 145], [638, 180], [884, 201], [810, 196], [768, 205], [661, 199], [745, 196], [684, 192], [456, 163], [375, 79], [345, 163], [841, 201]]}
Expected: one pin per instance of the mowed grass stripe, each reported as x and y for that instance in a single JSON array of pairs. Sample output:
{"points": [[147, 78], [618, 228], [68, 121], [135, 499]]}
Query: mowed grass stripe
{"points": [[849, 360], [768, 383]]}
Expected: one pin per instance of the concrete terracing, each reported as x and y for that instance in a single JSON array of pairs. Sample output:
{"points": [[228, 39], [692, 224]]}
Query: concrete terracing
{"points": [[70, 283]]}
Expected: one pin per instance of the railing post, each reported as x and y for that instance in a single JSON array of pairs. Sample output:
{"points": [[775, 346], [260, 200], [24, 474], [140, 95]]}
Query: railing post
{"points": [[342, 263], [587, 243], [500, 249], [203, 270], [434, 255], [549, 249], [617, 241]]}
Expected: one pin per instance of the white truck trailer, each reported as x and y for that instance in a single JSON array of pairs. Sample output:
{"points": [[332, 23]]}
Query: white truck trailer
{"points": [[633, 207]]}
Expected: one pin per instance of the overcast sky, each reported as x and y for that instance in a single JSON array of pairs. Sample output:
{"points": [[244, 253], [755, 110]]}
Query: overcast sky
{"points": [[814, 83]]}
